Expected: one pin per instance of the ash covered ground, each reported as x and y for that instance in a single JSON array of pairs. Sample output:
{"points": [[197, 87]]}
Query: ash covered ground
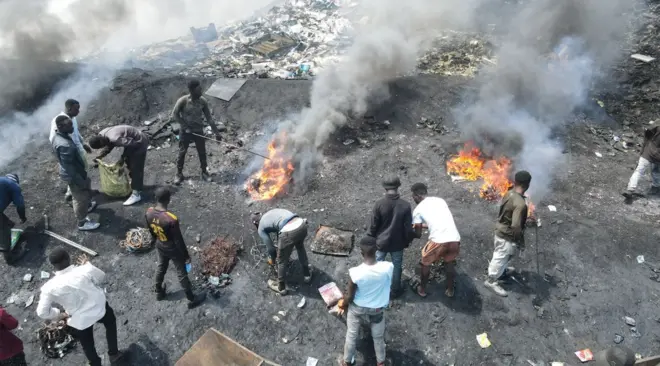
{"points": [[588, 277]]}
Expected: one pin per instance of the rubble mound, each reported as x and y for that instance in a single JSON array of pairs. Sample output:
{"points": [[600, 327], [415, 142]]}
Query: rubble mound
{"points": [[219, 257]]}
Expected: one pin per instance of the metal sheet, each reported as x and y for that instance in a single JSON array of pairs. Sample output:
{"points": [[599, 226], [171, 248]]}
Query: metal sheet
{"points": [[225, 88]]}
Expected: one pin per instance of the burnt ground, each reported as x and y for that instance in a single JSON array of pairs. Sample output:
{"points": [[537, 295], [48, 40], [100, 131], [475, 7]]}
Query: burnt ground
{"points": [[589, 277]]}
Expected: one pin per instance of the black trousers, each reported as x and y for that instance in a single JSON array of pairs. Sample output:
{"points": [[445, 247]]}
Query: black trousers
{"points": [[5, 239], [185, 139], [17, 360], [86, 337], [286, 242], [135, 163], [164, 259]]}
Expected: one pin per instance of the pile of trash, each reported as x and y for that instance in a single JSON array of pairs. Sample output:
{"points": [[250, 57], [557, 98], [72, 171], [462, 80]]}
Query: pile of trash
{"points": [[219, 257], [55, 339]]}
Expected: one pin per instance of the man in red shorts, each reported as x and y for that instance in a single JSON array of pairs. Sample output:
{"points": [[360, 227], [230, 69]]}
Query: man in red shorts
{"points": [[444, 239]]}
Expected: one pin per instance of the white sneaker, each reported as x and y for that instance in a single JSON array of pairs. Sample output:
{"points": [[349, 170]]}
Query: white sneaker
{"points": [[89, 225], [496, 288], [133, 199]]}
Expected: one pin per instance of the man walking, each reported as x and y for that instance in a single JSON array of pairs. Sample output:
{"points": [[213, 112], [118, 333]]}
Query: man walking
{"points": [[444, 240], [189, 112], [71, 110], [11, 347], [135, 144], [391, 225], [290, 231], [166, 234], [366, 299], [509, 232], [650, 158], [73, 170], [10, 192], [77, 290]]}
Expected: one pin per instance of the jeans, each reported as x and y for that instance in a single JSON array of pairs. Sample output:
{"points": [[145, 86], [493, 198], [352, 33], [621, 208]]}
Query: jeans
{"points": [[82, 196], [642, 165], [286, 242], [375, 319], [397, 261], [164, 259], [86, 337], [504, 251], [200, 144], [135, 163]]}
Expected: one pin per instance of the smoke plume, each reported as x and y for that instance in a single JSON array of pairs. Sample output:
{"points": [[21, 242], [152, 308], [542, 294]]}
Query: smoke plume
{"points": [[551, 54]]}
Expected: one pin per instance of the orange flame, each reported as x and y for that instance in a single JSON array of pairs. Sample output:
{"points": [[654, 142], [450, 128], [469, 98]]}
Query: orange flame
{"points": [[274, 175], [469, 164], [531, 209]]}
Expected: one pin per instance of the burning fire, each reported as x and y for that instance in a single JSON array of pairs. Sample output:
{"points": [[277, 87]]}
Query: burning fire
{"points": [[274, 175], [469, 164]]}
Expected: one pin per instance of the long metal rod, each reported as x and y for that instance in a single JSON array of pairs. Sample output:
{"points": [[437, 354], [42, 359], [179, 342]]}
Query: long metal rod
{"points": [[71, 243], [536, 244], [231, 145]]}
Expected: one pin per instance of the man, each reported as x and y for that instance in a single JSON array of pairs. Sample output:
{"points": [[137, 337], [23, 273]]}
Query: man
{"points": [[444, 240], [166, 234], [77, 290], [391, 225], [10, 192], [290, 231], [509, 232], [135, 144], [11, 347], [188, 112], [73, 170], [367, 296], [71, 109], [650, 158]]}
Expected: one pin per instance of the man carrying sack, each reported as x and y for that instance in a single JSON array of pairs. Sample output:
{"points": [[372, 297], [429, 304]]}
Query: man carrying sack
{"points": [[135, 144]]}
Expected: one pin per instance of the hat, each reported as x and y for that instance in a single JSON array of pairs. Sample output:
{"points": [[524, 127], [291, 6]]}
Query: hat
{"points": [[615, 356], [391, 182], [13, 177]]}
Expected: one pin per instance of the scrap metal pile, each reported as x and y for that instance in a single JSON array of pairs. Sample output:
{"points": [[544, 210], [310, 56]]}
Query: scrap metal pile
{"points": [[55, 339], [219, 257]]}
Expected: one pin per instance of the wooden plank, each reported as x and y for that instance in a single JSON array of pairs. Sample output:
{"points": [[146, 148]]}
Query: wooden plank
{"points": [[216, 349], [649, 361]]}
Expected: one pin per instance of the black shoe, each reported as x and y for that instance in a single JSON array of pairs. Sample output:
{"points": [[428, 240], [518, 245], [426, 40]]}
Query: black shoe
{"points": [[629, 194], [162, 293], [395, 294], [17, 255], [178, 179], [117, 357], [206, 177], [198, 299]]}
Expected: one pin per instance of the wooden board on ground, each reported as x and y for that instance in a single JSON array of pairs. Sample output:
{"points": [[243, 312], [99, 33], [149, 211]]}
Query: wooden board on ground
{"points": [[216, 349], [649, 361], [333, 241]]}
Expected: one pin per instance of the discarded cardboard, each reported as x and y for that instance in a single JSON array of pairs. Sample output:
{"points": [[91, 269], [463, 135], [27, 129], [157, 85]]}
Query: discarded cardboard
{"points": [[225, 88], [330, 293], [332, 241], [216, 349]]}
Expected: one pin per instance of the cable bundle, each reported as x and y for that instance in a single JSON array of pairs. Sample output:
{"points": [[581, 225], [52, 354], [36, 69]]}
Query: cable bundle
{"points": [[137, 240], [55, 339]]}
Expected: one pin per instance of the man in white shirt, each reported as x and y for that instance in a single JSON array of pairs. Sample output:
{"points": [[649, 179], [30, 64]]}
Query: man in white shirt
{"points": [[368, 295], [444, 239], [76, 289], [71, 109]]}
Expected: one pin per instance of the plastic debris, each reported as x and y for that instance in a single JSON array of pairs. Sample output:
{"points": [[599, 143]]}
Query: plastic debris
{"points": [[285, 340], [483, 341], [276, 318], [311, 361], [640, 259], [618, 338], [29, 301], [282, 313], [27, 278], [585, 355], [214, 280], [45, 275], [330, 293], [630, 321], [599, 154], [556, 363], [642, 58], [301, 304], [552, 208]]}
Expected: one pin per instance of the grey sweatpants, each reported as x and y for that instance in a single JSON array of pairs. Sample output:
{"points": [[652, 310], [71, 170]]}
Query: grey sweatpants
{"points": [[82, 196], [375, 319]]}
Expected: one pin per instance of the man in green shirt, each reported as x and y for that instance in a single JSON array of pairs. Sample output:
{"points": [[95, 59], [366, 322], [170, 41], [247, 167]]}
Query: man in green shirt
{"points": [[509, 231]]}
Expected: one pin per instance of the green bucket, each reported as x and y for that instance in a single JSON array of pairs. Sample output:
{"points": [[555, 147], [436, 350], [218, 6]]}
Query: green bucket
{"points": [[15, 236]]}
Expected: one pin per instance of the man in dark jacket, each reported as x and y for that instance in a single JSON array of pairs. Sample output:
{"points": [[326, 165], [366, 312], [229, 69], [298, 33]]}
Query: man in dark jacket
{"points": [[10, 192], [11, 347], [135, 144], [74, 172], [650, 158], [391, 225], [166, 234]]}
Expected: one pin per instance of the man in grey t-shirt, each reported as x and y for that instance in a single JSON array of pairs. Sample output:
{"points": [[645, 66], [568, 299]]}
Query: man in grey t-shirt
{"points": [[290, 232]]}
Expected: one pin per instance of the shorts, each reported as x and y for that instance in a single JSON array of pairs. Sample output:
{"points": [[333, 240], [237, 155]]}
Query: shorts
{"points": [[434, 252]]}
